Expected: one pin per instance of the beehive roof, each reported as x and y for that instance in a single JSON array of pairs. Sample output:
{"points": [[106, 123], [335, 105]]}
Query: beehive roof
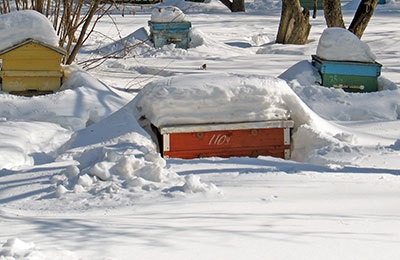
{"points": [[27, 41]]}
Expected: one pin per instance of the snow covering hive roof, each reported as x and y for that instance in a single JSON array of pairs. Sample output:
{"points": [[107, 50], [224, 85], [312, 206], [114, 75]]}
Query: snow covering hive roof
{"points": [[167, 14], [18, 26], [215, 98], [339, 44]]}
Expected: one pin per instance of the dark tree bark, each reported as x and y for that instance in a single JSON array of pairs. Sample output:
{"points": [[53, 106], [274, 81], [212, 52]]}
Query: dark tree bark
{"points": [[82, 36], [235, 5], [238, 6], [363, 14], [294, 26], [333, 13]]}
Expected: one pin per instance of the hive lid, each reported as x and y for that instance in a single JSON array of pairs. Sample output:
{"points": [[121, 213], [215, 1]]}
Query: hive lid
{"points": [[27, 41]]}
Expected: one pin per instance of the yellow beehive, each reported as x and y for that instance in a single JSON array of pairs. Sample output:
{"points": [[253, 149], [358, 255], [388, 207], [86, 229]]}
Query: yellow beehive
{"points": [[31, 66]]}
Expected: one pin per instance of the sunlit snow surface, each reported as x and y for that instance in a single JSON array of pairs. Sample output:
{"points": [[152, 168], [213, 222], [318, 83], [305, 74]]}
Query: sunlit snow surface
{"points": [[82, 180]]}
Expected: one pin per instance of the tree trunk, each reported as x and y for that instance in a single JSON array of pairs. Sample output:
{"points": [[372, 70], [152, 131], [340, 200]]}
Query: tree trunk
{"points": [[238, 6], [294, 26], [363, 14], [82, 36], [333, 13]]}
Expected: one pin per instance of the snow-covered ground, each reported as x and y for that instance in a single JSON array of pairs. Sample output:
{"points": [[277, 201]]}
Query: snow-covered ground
{"points": [[80, 178]]}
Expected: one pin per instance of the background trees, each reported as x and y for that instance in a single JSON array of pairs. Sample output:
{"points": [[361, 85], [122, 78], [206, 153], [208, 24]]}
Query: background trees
{"points": [[70, 15], [294, 26], [362, 16], [67, 17]]}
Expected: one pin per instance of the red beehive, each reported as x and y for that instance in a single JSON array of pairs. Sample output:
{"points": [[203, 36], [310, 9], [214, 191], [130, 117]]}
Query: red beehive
{"points": [[268, 138], [221, 115]]}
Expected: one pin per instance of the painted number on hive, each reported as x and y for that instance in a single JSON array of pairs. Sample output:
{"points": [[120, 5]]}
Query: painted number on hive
{"points": [[219, 139]]}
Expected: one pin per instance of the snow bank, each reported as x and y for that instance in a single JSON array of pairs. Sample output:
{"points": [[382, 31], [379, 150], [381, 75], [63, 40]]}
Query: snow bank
{"points": [[82, 101], [31, 129], [340, 44], [18, 26], [167, 14], [136, 43], [215, 98]]}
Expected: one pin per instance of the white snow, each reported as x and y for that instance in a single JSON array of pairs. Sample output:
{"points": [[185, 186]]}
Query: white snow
{"points": [[80, 179], [342, 45], [16, 247], [217, 98], [16, 27], [167, 14]]}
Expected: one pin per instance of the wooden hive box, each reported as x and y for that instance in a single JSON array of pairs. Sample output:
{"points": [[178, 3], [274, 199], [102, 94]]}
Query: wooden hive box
{"points": [[351, 76], [268, 138], [309, 4], [172, 32], [31, 66]]}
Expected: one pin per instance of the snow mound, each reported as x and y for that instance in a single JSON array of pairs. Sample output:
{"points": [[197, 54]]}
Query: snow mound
{"points": [[167, 14], [116, 165], [127, 168], [208, 6], [338, 105], [116, 156], [15, 248], [193, 184], [16, 27], [340, 44], [24, 144], [216, 98], [114, 151], [136, 43]]}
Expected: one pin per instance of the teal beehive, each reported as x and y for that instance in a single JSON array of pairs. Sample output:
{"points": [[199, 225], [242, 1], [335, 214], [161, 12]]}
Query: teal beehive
{"points": [[164, 33], [350, 76], [309, 4], [168, 25]]}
